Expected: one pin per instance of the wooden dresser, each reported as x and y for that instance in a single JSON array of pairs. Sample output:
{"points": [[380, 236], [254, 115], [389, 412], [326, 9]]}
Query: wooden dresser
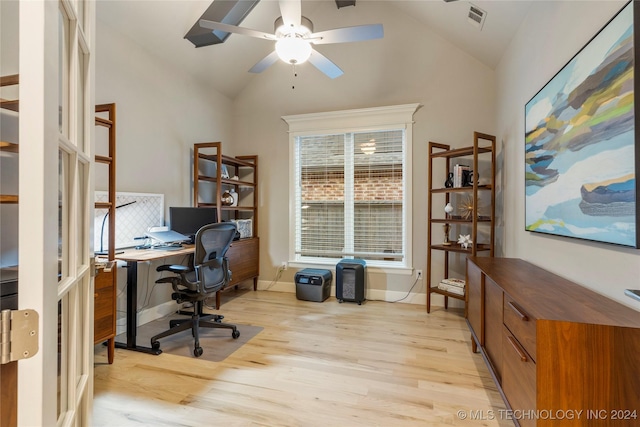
{"points": [[104, 323], [244, 263], [561, 354]]}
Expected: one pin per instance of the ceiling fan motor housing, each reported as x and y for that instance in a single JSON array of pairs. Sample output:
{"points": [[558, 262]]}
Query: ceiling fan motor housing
{"points": [[305, 28]]}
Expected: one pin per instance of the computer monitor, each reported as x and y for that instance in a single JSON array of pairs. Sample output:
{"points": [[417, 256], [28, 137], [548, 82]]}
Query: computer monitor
{"points": [[188, 220]]}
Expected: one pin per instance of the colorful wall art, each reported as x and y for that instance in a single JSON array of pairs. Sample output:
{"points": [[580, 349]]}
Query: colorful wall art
{"points": [[581, 142]]}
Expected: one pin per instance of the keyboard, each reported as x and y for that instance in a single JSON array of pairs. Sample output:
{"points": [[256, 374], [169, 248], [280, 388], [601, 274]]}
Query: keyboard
{"points": [[168, 247]]}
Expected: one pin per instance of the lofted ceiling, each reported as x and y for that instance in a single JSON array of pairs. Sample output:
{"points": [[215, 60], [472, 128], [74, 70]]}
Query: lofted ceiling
{"points": [[160, 26]]}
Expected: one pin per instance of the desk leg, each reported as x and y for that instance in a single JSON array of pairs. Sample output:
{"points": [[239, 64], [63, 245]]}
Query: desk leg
{"points": [[132, 315]]}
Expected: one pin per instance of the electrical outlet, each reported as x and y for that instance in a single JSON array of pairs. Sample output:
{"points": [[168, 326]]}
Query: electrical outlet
{"points": [[284, 265], [419, 274]]}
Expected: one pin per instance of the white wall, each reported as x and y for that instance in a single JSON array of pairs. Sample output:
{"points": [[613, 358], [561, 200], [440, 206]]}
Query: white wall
{"points": [[160, 112], [550, 36], [410, 64]]}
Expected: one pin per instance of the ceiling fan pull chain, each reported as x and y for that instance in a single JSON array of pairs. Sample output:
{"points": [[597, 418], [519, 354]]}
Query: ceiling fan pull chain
{"points": [[295, 74]]}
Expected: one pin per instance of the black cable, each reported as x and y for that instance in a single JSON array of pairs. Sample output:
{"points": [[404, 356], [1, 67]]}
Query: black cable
{"points": [[275, 279], [398, 300]]}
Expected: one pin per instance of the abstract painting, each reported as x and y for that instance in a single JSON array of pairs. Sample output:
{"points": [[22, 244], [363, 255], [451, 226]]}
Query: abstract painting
{"points": [[580, 143]]}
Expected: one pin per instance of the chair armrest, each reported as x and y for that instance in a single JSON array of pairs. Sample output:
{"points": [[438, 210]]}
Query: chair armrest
{"points": [[177, 269]]}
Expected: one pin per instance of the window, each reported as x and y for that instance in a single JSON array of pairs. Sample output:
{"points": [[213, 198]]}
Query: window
{"points": [[350, 186]]}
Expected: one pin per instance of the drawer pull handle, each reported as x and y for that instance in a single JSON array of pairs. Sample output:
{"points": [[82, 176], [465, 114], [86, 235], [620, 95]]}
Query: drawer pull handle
{"points": [[519, 312], [516, 347]]}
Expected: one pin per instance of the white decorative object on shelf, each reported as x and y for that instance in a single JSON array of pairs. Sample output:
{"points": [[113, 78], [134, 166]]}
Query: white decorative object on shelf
{"points": [[245, 227], [234, 195], [465, 240], [448, 208]]}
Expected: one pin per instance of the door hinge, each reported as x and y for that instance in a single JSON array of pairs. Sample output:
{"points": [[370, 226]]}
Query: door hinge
{"points": [[18, 335]]}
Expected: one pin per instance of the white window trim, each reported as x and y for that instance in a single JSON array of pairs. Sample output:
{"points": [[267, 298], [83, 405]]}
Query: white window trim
{"points": [[358, 120]]}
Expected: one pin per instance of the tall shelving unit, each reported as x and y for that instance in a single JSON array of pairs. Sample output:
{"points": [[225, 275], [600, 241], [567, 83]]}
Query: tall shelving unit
{"points": [[209, 186], [439, 195], [104, 318]]}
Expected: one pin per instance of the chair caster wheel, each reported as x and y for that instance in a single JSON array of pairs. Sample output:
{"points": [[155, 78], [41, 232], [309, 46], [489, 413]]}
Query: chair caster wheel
{"points": [[235, 334], [155, 345], [197, 352], [340, 301]]}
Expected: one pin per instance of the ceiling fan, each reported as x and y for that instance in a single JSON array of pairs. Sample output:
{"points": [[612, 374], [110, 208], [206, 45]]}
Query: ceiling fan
{"points": [[293, 34]]}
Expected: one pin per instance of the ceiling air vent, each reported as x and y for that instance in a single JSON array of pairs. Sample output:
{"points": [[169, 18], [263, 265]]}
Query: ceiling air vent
{"points": [[476, 16]]}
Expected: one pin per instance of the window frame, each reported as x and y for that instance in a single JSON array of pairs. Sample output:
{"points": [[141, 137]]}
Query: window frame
{"points": [[354, 121]]}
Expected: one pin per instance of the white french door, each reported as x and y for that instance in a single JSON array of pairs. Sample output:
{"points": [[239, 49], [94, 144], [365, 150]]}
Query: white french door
{"points": [[55, 209]]}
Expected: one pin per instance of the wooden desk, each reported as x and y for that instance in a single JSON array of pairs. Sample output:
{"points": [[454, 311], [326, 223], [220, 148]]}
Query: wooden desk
{"points": [[133, 257]]}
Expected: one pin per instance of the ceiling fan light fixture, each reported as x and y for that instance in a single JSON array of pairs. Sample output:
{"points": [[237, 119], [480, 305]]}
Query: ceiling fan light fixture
{"points": [[293, 50]]}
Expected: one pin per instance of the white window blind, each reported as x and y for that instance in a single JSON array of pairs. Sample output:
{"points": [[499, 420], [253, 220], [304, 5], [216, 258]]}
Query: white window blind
{"points": [[350, 195], [351, 176]]}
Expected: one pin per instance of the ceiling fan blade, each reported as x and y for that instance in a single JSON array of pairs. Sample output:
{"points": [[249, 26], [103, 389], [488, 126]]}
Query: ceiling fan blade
{"points": [[212, 25], [324, 64], [265, 63], [291, 11], [348, 34]]}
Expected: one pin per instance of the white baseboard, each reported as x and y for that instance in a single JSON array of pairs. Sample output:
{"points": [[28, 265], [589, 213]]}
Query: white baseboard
{"points": [[150, 314], [372, 294]]}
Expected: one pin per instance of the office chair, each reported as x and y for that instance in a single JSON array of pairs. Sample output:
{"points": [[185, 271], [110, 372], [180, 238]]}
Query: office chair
{"points": [[209, 274]]}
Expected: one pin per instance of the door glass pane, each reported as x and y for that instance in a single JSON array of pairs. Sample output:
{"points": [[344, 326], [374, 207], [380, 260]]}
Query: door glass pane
{"points": [[9, 123], [81, 138], [62, 345], [77, 323], [82, 241], [63, 70], [63, 265], [9, 168]]}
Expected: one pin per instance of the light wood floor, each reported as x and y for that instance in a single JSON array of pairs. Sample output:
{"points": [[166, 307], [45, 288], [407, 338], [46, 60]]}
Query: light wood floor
{"points": [[314, 364]]}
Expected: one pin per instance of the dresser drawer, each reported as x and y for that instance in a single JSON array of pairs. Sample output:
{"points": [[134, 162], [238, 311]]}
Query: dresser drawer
{"points": [[104, 305], [243, 256], [518, 377], [521, 325]]}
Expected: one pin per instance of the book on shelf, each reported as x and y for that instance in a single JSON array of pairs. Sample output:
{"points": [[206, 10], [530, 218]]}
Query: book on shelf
{"points": [[453, 282], [451, 288], [457, 174]]}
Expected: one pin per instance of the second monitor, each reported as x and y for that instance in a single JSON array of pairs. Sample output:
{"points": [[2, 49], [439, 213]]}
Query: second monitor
{"points": [[188, 220]]}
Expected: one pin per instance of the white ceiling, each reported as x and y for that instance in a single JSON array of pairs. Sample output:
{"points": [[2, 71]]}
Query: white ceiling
{"points": [[160, 26]]}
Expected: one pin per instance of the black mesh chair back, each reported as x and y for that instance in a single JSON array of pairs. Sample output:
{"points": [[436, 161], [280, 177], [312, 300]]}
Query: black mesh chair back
{"points": [[212, 243]]}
